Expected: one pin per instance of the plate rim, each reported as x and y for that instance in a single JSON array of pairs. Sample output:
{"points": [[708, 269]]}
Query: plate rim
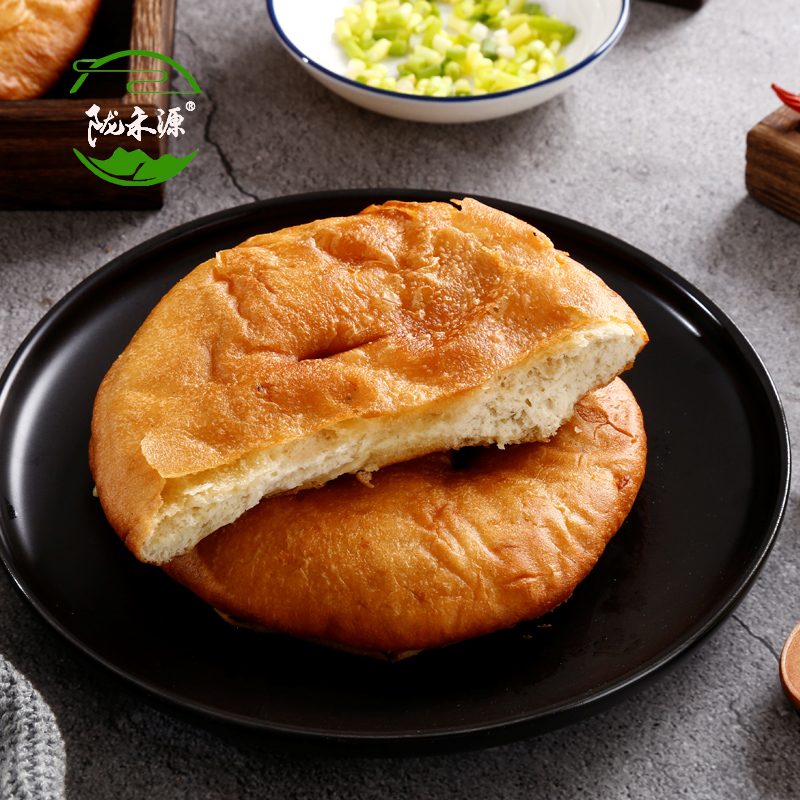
{"points": [[458, 736]]}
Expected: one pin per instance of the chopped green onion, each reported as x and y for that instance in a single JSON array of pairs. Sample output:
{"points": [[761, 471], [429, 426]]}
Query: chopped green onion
{"points": [[481, 46]]}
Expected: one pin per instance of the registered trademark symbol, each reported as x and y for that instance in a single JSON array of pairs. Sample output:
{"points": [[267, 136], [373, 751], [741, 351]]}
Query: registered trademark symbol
{"points": [[190, 106]]}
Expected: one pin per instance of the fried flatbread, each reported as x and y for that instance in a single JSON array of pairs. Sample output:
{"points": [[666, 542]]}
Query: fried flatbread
{"points": [[435, 550], [343, 345]]}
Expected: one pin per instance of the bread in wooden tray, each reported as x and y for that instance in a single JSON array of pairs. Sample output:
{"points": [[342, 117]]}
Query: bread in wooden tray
{"points": [[38, 41]]}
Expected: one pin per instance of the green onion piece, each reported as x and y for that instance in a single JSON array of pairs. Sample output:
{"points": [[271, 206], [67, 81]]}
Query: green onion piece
{"points": [[457, 25], [503, 82], [353, 50], [432, 26], [441, 43], [569, 35], [399, 48], [520, 35], [489, 48], [432, 71], [521, 57], [342, 30], [390, 33], [536, 48], [484, 76], [379, 50], [514, 21], [361, 26], [545, 71], [453, 70], [394, 20], [465, 9], [428, 55], [551, 25]]}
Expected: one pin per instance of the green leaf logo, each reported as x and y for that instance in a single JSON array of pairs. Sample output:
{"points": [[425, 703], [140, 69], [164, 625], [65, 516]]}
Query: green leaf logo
{"points": [[135, 168]]}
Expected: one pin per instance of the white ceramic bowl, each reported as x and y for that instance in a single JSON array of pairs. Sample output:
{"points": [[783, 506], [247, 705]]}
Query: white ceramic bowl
{"points": [[305, 28]]}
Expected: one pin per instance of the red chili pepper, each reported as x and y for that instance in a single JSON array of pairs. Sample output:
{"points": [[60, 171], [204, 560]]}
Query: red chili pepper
{"points": [[791, 100]]}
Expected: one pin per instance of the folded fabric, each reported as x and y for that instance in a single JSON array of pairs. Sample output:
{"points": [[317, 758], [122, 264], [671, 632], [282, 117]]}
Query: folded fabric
{"points": [[32, 759]]}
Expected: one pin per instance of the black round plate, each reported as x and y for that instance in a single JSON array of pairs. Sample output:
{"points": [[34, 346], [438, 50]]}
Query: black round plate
{"points": [[708, 512]]}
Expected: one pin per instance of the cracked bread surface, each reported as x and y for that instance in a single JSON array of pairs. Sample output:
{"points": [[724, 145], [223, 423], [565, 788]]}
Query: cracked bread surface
{"points": [[343, 345]]}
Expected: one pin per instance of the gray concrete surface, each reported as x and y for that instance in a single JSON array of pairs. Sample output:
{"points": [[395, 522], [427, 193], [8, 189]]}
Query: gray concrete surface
{"points": [[650, 148]]}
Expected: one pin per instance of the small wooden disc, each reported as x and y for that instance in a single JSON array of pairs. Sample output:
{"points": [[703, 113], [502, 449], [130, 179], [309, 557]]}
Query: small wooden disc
{"points": [[790, 667]]}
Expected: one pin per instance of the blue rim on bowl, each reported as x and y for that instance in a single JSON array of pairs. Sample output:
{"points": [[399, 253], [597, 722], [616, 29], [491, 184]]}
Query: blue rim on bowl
{"points": [[418, 107]]}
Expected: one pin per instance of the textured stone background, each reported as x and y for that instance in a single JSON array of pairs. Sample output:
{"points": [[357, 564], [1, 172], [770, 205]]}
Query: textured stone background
{"points": [[650, 148]]}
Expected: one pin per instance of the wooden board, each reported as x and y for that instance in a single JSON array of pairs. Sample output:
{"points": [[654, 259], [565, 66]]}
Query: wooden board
{"points": [[37, 166], [772, 171]]}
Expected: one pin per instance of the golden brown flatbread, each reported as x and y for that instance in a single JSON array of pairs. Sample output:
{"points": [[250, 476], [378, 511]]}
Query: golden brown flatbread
{"points": [[39, 40], [342, 345], [433, 551]]}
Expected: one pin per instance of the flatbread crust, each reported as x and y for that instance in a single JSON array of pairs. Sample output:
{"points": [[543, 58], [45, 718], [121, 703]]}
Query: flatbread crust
{"points": [[401, 308], [433, 551], [39, 40]]}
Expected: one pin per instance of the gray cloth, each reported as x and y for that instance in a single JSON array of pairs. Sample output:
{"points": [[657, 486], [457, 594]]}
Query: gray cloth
{"points": [[32, 760]]}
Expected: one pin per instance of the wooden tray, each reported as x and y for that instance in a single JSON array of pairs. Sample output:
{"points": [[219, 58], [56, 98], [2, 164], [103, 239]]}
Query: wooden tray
{"points": [[772, 172], [37, 166]]}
